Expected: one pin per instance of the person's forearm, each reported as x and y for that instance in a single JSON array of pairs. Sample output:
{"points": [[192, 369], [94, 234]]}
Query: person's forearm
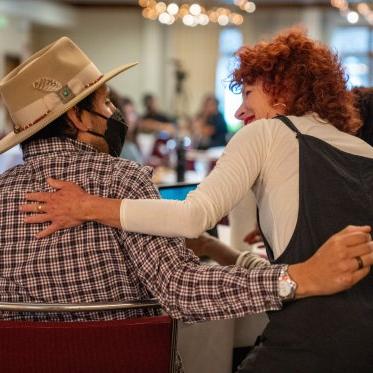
{"points": [[102, 210], [305, 288], [221, 253]]}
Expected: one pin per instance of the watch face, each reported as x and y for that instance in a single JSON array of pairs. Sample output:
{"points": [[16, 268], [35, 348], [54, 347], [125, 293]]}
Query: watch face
{"points": [[284, 289]]}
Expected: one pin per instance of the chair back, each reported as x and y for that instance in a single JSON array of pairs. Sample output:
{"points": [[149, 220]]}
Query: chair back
{"points": [[135, 345]]}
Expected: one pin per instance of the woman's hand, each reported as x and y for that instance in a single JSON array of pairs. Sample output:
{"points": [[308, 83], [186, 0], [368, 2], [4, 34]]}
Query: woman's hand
{"points": [[65, 208]]}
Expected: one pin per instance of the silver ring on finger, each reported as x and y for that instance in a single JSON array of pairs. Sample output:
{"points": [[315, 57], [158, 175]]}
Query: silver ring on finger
{"points": [[360, 263]]}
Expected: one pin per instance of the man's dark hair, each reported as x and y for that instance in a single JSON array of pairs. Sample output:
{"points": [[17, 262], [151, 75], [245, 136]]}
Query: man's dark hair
{"points": [[62, 127]]}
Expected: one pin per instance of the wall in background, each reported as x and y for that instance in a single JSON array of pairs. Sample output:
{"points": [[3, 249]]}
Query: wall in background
{"points": [[116, 35], [14, 44]]}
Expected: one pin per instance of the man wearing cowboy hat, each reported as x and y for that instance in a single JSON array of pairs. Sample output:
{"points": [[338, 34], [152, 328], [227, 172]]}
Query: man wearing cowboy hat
{"points": [[70, 130]]}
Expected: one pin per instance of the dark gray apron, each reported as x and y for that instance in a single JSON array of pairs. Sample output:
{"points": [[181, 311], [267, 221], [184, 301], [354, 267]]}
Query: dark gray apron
{"points": [[333, 333]]}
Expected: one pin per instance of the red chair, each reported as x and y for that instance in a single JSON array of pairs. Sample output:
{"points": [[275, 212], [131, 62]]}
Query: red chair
{"points": [[136, 345]]}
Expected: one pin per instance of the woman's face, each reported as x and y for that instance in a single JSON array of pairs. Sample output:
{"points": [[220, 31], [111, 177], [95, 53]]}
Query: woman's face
{"points": [[256, 104], [130, 114]]}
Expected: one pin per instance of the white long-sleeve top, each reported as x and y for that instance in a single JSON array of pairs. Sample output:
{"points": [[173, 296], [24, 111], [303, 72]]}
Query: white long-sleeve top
{"points": [[264, 157]]}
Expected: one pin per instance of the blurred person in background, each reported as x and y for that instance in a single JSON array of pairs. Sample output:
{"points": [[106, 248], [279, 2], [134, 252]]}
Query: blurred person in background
{"points": [[210, 127], [11, 158], [310, 177], [153, 120], [161, 127], [131, 149]]}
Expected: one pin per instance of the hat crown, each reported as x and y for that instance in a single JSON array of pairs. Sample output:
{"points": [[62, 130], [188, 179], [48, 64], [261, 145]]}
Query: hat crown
{"points": [[45, 81], [47, 85]]}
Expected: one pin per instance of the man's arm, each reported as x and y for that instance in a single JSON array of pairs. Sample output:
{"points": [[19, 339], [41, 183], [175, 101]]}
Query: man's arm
{"points": [[331, 269], [193, 292], [185, 288]]}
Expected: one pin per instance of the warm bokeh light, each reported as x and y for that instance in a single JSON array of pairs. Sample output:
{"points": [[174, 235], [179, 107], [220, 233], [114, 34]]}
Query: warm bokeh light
{"points": [[172, 9], [194, 14]]}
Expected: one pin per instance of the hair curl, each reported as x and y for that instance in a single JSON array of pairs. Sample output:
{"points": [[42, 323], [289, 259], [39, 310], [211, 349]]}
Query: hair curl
{"points": [[303, 74]]}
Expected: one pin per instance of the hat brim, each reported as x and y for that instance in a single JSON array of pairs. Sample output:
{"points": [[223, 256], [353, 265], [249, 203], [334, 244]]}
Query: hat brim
{"points": [[13, 138]]}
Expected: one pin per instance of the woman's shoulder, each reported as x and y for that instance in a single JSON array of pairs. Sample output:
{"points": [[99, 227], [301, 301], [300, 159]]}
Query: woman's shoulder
{"points": [[312, 125]]}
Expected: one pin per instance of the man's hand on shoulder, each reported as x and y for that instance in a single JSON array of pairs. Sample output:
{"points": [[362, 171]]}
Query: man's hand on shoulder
{"points": [[342, 261]]}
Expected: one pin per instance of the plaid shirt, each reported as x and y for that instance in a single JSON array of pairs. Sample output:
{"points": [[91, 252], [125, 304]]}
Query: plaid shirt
{"points": [[95, 263]]}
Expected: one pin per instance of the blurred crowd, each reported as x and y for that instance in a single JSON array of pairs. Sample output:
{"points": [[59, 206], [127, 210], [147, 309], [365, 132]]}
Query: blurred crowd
{"points": [[158, 139], [174, 145]]}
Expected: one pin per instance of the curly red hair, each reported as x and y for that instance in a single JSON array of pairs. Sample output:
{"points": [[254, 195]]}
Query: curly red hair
{"points": [[303, 74]]}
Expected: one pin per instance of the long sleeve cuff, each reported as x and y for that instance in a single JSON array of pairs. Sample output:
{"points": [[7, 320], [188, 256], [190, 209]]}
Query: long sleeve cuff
{"points": [[249, 260]]}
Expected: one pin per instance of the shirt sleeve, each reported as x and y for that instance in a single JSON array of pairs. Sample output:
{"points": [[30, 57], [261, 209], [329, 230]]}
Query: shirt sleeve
{"points": [[249, 260], [186, 289], [232, 177]]}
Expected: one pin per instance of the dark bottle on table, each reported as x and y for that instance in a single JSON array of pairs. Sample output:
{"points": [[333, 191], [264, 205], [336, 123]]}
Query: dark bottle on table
{"points": [[181, 160]]}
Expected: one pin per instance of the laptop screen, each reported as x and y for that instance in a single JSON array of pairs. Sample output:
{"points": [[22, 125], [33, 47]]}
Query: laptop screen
{"points": [[179, 192], [176, 191]]}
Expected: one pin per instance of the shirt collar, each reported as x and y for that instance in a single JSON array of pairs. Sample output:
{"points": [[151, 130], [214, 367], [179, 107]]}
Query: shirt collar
{"points": [[54, 145], [316, 117]]}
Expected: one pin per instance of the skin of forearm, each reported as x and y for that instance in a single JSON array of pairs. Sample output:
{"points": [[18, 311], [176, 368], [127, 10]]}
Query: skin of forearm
{"points": [[304, 284], [221, 253], [102, 210]]}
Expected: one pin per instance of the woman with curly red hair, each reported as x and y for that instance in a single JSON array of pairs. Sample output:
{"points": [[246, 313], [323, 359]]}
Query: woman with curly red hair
{"points": [[311, 178]]}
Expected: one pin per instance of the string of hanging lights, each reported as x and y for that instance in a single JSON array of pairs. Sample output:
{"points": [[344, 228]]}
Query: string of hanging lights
{"points": [[194, 14]]}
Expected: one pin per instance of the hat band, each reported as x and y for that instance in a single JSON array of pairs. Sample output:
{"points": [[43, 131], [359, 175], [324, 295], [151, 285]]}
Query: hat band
{"points": [[53, 101]]}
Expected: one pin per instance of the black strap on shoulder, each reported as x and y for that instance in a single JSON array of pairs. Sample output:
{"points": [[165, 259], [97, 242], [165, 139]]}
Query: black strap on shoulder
{"points": [[288, 123], [266, 243]]}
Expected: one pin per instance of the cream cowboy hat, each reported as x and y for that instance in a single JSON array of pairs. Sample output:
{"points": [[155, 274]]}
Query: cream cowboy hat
{"points": [[48, 84]]}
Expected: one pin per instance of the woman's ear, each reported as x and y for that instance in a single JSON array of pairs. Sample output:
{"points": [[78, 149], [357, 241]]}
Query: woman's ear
{"points": [[76, 118]]}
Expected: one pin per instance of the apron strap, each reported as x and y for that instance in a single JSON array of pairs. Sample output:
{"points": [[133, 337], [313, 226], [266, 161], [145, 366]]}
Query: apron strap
{"points": [[288, 123], [266, 243]]}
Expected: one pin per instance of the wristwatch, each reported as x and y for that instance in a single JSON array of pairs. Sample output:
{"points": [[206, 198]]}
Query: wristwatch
{"points": [[286, 286]]}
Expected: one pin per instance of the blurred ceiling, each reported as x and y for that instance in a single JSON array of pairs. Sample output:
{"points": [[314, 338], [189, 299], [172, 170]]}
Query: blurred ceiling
{"points": [[259, 3]]}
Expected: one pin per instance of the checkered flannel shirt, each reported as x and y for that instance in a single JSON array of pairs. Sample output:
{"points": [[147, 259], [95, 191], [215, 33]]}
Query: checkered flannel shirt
{"points": [[95, 263]]}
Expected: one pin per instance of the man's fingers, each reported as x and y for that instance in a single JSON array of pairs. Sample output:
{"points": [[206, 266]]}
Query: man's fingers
{"points": [[360, 250], [367, 260], [360, 274], [48, 231], [356, 228], [38, 196], [39, 218], [353, 264], [354, 238]]}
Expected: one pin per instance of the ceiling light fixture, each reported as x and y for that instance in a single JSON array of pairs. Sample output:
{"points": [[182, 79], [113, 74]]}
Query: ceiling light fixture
{"points": [[351, 15], [195, 14]]}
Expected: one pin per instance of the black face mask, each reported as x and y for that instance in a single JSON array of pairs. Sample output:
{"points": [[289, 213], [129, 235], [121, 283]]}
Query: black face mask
{"points": [[115, 133]]}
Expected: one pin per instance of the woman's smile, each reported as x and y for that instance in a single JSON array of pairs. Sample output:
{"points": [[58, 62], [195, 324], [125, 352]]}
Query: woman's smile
{"points": [[248, 119]]}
